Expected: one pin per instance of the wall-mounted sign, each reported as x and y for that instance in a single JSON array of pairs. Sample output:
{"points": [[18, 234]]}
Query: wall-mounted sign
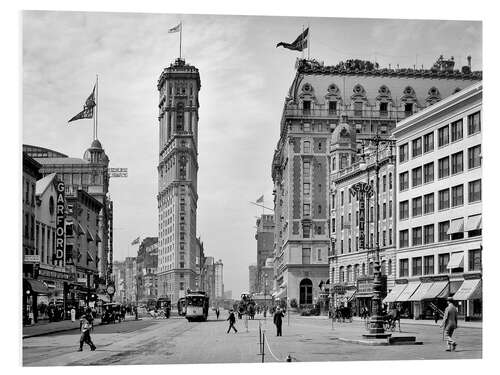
{"points": [[118, 172], [60, 221], [31, 258]]}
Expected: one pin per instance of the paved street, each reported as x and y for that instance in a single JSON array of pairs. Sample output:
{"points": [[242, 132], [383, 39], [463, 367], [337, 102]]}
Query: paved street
{"points": [[177, 341]]}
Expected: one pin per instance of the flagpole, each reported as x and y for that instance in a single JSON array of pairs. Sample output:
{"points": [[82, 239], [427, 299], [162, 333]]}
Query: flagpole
{"points": [[96, 103], [180, 43], [308, 40], [302, 43]]}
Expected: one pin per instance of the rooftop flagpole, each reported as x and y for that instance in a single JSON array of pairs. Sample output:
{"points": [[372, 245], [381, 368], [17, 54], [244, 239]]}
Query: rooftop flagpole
{"points": [[96, 102], [180, 42], [308, 40]]}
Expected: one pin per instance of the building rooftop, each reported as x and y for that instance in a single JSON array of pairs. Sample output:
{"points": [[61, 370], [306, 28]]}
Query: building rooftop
{"points": [[43, 184], [61, 160]]}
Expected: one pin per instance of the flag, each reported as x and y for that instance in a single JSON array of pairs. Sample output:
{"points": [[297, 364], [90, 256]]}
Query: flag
{"points": [[260, 200], [135, 242], [88, 108], [299, 44], [175, 29]]}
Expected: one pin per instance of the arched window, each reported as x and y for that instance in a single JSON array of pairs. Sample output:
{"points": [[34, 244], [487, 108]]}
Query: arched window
{"points": [[349, 274], [306, 296]]}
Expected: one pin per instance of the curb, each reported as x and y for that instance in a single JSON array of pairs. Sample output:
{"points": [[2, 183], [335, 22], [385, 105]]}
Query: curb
{"points": [[52, 332]]}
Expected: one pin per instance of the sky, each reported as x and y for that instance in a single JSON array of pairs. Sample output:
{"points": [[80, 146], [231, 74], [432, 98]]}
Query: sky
{"points": [[244, 80]]}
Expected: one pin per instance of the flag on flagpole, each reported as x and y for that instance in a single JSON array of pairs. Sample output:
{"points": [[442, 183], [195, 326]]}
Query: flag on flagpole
{"points": [[136, 241], [175, 29], [299, 44], [260, 200], [88, 108]]}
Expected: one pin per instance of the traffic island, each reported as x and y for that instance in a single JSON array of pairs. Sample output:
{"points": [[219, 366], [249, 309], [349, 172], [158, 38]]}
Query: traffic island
{"points": [[393, 340]]}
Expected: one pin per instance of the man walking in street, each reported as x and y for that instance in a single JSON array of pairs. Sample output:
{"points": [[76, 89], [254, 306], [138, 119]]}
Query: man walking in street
{"points": [[450, 324], [278, 321], [232, 320], [85, 326], [217, 312]]}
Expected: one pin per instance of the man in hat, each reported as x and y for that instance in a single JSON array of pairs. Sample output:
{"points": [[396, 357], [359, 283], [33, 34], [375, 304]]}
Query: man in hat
{"points": [[450, 324], [85, 326], [232, 320], [278, 320]]}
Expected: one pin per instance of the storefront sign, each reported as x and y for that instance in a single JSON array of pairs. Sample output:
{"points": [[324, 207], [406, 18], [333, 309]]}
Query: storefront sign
{"points": [[60, 221], [31, 258], [54, 274], [361, 190]]}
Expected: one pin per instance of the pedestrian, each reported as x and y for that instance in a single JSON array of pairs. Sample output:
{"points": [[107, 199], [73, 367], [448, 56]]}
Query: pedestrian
{"points": [[85, 326], [449, 324], [278, 321], [231, 320], [436, 316], [217, 312], [73, 314]]}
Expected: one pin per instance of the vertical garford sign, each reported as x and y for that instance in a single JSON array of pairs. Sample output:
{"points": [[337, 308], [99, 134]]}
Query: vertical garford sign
{"points": [[60, 221], [361, 191]]}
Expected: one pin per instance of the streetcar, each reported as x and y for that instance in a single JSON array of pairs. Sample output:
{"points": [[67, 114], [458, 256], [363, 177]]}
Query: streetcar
{"points": [[164, 304], [197, 304], [181, 306]]}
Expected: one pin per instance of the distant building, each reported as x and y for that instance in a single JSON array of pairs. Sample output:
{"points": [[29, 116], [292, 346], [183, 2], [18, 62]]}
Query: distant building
{"points": [[219, 279], [209, 277], [265, 245], [147, 264], [252, 278], [119, 277]]}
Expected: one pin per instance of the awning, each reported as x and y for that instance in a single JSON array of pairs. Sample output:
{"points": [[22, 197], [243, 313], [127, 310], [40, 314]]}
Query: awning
{"points": [[280, 294], [436, 289], [407, 293], [453, 287], [456, 261], [349, 294], [36, 286], [456, 226], [89, 255], [394, 293], [97, 238], [470, 289], [90, 237], [474, 223], [421, 292], [80, 229]]}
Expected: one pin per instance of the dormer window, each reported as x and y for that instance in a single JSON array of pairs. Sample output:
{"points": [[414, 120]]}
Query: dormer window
{"points": [[306, 107], [408, 109], [332, 108]]}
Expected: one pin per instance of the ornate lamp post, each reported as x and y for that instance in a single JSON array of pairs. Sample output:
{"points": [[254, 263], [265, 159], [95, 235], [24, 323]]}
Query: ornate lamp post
{"points": [[377, 320]]}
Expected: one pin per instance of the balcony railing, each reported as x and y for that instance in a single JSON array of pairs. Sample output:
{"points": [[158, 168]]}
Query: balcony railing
{"points": [[351, 114]]}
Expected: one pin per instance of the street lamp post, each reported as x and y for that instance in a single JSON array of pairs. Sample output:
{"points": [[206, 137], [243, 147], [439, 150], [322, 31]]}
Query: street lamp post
{"points": [[265, 293], [377, 320]]}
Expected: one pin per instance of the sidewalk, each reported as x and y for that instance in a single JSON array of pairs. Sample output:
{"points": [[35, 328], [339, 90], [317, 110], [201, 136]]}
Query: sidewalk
{"points": [[45, 328]]}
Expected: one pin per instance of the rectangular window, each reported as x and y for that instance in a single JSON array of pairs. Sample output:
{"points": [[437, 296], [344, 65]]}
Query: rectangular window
{"points": [[307, 147], [404, 181], [383, 238], [416, 236], [403, 238], [475, 260], [383, 109], [474, 123], [443, 136], [444, 167], [444, 199], [306, 256], [428, 234], [333, 225], [358, 109], [429, 265], [457, 131], [390, 236], [457, 162], [416, 204], [307, 189], [403, 210], [403, 153], [341, 198], [307, 209], [443, 231], [390, 208], [390, 181], [474, 191], [416, 269], [429, 142], [429, 172], [428, 203], [457, 195], [408, 109], [306, 107], [443, 260], [416, 147], [384, 183], [403, 268], [475, 156], [384, 210], [332, 108], [416, 176], [307, 169]]}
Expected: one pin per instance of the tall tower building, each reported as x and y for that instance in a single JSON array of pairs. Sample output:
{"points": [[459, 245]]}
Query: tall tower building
{"points": [[178, 87]]}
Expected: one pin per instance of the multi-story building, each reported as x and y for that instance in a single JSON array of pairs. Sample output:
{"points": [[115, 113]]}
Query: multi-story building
{"points": [[178, 88], [147, 264], [219, 279], [119, 281], [439, 206], [209, 277], [130, 290], [89, 174], [252, 278], [265, 244], [365, 100]]}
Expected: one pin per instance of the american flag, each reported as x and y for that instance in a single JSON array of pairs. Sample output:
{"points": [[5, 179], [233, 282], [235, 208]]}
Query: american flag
{"points": [[88, 108]]}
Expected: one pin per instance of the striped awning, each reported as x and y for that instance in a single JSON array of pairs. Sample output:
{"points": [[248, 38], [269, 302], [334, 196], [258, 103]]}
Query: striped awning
{"points": [[451, 289], [408, 292], [474, 223], [420, 292], [80, 229], [470, 289], [456, 226], [456, 261], [280, 294], [394, 293], [90, 237], [436, 289]]}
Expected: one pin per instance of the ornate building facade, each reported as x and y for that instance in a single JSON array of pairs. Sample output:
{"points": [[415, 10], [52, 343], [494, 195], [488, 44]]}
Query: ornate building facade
{"points": [[178, 88]]}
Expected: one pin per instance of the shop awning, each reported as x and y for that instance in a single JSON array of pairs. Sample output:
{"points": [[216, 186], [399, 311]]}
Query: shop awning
{"points": [[474, 223], [97, 238], [456, 261], [280, 294], [394, 293], [421, 292], [80, 229], [470, 289], [452, 288], [349, 294], [436, 289], [90, 237], [456, 226], [407, 293], [36, 286]]}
